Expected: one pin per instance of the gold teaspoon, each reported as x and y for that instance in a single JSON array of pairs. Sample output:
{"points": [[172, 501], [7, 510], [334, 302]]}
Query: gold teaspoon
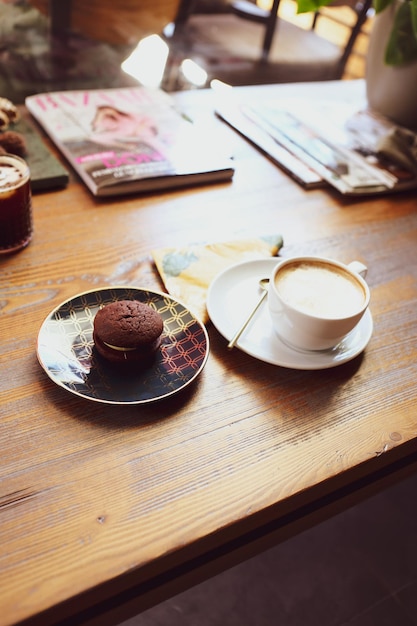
{"points": [[263, 283]]}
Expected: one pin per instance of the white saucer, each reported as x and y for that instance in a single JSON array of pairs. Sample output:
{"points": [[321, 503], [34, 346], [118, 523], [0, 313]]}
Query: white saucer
{"points": [[232, 296]]}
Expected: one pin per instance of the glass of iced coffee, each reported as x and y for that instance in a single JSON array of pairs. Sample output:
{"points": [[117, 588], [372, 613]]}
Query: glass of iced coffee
{"points": [[16, 226]]}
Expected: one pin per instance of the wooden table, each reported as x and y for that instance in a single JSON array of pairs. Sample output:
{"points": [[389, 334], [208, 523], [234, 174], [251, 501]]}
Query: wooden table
{"points": [[104, 509]]}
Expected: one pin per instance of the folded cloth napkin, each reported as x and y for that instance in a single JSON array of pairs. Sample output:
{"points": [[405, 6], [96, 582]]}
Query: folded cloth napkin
{"points": [[188, 272]]}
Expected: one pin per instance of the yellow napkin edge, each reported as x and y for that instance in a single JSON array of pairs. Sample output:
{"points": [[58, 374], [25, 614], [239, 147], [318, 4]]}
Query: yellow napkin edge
{"points": [[188, 271]]}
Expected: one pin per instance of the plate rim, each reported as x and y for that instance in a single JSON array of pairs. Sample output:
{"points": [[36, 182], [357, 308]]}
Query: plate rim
{"points": [[272, 262], [156, 292]]}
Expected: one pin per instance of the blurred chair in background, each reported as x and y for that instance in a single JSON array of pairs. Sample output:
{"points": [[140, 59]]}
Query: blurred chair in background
{"points": [[245, 44], [122, 22], [80, 44], [73, 44]]}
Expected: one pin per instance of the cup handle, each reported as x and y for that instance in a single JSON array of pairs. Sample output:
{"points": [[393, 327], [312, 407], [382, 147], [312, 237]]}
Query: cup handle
{"points": [[359, 268]]}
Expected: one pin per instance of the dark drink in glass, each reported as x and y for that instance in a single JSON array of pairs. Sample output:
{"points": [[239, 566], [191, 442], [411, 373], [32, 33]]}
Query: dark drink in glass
{"points": [[16, 225]]}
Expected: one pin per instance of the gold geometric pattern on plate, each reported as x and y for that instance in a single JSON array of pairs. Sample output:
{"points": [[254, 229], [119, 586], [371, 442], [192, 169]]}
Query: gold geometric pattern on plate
{"points": [[66, 349]]}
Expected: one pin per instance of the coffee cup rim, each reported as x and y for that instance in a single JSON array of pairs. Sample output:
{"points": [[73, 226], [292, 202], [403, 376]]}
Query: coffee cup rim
{"points": [[330, 261], [21, 164]]}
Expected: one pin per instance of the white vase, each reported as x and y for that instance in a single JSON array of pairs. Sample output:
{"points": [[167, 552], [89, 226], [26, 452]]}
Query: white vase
{"points": [[391, 91]]}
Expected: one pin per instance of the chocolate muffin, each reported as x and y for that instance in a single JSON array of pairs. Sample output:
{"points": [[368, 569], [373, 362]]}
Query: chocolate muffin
{"points": [[127, 331]]}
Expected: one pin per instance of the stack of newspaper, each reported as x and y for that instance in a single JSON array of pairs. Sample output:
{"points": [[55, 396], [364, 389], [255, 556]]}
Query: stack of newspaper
{"points": [[366, 154]]}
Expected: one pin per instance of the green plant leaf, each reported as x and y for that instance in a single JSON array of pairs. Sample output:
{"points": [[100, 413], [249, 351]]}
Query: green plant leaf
{"points": [[380, 5], [308, 6], [402, 44]]}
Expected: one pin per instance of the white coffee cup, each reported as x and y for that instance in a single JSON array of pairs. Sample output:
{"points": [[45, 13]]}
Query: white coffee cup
{"points": [[314, 302]]}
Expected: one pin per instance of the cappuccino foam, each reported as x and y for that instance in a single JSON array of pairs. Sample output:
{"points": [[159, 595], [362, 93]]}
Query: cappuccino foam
{"points": [[320, 289], [10, 175]]}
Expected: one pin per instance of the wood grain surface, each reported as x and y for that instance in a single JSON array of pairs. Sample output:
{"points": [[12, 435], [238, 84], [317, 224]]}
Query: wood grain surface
{"points": [[101, 505]]}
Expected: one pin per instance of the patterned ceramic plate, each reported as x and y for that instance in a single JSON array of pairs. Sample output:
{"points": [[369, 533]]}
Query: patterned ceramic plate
{"points": [[66, 349]]}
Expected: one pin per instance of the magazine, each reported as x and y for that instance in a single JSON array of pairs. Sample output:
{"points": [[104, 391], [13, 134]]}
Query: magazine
{"points": [[274, 150], [356, 153], [129, 140]]}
